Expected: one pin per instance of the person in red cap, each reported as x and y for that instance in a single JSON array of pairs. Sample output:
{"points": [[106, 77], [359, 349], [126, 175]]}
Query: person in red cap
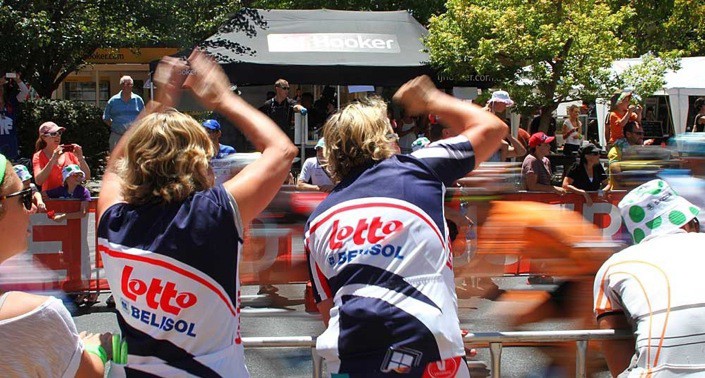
{"points": [[536, 168]]}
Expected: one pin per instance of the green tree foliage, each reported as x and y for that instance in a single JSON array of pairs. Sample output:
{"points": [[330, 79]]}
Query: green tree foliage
{"points": [[47, 40], [543, 52], [647, 78], [664, 26], [422, 10]]}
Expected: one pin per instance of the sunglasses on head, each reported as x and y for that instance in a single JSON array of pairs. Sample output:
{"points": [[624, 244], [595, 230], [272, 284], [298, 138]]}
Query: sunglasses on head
{"points": [[54, 133], [26, 197]]}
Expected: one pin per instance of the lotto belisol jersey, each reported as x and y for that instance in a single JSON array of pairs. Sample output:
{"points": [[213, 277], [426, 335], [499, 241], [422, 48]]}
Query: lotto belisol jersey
{"points": [[173, 270], [378, 247]]}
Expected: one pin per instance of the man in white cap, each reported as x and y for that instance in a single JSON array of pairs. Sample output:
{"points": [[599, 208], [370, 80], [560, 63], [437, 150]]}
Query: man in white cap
{"points": [[313, 176], [650, 288]]}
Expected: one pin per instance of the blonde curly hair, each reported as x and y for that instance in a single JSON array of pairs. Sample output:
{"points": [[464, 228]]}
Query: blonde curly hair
{"points": [[166, 159], [356, 136]]}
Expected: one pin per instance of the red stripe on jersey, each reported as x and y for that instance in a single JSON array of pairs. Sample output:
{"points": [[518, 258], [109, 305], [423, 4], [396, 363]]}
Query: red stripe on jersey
{"points": [[173, 268]]}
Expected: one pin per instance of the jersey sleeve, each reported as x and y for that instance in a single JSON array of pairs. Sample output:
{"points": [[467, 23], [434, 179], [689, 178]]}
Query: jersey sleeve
{"points": [[450, 158], [605, 299], [321, 288]]}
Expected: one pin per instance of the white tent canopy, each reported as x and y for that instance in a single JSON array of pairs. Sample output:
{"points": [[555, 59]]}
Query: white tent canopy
{"points": [[689, 80]]}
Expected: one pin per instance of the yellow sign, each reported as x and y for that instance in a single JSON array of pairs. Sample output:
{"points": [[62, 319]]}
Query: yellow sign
{"points": [[125, 55]]}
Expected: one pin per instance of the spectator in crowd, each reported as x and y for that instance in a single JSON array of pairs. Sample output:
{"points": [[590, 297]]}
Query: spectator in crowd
{"points": [[26, 178], [165, 225], [586, 175], [315, 117], [39, 337], [647, 288], [535, 126], [536, 168], [12, 91], [622, 112], [633, 136], [73, 177], [407, 129], [213, 129], [121, 110], [650, 115], [699, 120], [313, 174], [281, 108], [388, 314], [499, 102], [51, 157], [571, 131]]}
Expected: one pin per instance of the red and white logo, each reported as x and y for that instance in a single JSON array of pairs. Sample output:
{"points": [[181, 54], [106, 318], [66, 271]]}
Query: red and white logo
{"points": [[157, 294], [365, 232]]}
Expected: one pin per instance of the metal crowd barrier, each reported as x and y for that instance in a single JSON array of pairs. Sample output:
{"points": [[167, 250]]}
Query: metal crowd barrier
{"points": [[494, 339]]}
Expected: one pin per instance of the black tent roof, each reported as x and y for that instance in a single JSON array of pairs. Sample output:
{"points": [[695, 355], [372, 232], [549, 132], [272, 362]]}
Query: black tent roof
{"points": [[257, 47], [325, 47]]}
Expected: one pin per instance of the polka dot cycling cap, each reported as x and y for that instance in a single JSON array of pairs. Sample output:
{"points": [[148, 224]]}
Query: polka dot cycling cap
{"points": [[655, 208], [419, 143]]}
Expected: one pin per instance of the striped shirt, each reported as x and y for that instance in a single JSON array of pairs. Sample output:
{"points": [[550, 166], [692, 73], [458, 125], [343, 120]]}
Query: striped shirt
{"points": [[173, 270], [378, 247]]}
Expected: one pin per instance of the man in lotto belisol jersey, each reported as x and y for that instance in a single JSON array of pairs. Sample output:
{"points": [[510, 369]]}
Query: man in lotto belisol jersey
{"points": [[378, 247], [171, 239]]}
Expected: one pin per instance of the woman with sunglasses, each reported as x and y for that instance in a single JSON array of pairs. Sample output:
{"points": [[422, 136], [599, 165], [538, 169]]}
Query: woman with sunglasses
{"points": [[379, 253], [51, 157], [37, 334], [586, 175]]}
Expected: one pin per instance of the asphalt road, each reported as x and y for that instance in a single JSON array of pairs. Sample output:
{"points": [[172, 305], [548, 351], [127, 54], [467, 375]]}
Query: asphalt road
{"points": [[284, 315]]}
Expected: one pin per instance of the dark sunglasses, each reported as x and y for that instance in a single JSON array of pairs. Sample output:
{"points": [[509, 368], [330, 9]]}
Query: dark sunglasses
{"points": [[54, 134], [285, 88], [393, 137], [26, 197]]}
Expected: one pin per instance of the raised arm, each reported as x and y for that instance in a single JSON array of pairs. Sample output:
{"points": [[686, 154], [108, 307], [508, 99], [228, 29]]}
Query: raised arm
{"points": [[256, 185], [169, 78], [482, 128]]}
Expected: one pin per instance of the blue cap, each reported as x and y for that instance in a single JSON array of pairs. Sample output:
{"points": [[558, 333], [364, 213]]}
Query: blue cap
{"points": [[321, 143], [211, 124]]}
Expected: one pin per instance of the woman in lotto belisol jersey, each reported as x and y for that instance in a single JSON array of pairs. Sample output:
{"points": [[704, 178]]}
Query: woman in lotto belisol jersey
{"points": [[171, 239], [379, 254]]}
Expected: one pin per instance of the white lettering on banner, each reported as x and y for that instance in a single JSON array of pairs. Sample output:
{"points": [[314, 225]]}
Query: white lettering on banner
{"points": [[334, 42], [611, 210]]}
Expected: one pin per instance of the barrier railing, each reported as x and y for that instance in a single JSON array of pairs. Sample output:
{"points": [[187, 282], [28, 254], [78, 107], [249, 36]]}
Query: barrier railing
{"points": [[495, 341]]}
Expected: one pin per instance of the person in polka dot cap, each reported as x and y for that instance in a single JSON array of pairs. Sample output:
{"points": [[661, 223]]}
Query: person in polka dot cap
{"points": [[654, 208], [653, 289]]}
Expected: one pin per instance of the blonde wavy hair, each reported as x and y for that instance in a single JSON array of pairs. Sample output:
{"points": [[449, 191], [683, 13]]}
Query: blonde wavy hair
{"points": [[356, 136], [166, 159]]}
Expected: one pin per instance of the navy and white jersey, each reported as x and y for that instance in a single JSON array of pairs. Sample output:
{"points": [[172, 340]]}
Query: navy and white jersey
{"points": [[173, 270], [378, 247]]}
